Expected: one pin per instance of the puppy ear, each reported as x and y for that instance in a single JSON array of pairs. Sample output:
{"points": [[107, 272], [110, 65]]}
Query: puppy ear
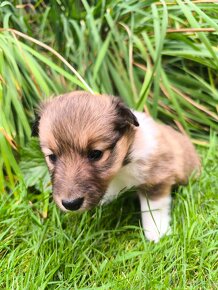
{"points": [[35, 127], [125, 117], [38, 112]]}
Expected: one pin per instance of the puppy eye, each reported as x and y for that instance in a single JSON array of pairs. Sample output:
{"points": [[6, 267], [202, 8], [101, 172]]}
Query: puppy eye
{"points": [[52, 158], [95, 155]]}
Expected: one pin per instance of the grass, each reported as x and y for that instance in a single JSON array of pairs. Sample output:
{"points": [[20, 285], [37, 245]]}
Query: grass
{"points": [[105, 248]]}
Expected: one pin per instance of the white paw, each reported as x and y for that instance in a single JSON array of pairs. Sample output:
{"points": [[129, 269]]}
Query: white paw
{"points": [[154, 235], [155, 218]]}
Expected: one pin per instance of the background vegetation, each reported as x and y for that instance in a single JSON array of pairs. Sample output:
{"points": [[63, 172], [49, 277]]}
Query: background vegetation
{"points": [[161, 57]]}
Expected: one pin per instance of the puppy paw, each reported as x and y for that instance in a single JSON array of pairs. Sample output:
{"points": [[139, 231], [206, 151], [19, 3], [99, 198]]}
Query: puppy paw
{"points": [[153, 235], [155, 217]]}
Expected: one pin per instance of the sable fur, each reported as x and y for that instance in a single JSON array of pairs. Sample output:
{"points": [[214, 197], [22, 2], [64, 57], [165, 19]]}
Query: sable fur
{"points": [[137, 151], [172, 164], [70, 126]]}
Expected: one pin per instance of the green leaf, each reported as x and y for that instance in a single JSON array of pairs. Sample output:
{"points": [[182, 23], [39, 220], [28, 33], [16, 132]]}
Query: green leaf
{"points": [[33, 166]]}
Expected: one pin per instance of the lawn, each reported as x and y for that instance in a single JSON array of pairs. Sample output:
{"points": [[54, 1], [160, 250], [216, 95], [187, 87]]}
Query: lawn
{"points": [[160, 57], [105, 248]]}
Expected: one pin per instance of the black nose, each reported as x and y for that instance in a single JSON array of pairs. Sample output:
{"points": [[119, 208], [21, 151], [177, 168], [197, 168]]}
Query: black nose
{"points": [[73, 204]]}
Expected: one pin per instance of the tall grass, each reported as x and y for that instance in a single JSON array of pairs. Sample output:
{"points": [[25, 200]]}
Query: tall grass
{"points": [[158, 56], [141, 51], [24, 83]]}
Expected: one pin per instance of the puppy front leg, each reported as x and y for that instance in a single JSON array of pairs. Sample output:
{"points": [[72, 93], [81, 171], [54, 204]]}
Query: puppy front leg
{"points": [[155, 216]]}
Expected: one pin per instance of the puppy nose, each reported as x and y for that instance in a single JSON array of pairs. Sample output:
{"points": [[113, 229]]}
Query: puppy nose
{"points": [[73, 204]]}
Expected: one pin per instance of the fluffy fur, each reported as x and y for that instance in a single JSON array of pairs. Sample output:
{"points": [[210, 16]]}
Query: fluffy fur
{"points": [[135, 151]]}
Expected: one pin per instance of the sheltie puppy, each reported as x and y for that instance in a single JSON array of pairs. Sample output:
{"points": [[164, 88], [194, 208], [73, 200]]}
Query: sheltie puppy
{"points": [[96, 147]]}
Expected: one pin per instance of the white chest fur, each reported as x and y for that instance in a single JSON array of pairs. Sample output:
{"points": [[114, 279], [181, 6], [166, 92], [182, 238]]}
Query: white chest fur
{"points": [[132, 174]]}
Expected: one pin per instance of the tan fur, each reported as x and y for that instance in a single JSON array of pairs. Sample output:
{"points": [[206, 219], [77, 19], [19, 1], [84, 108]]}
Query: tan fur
{"points": [[174, 161], [77, 122]]}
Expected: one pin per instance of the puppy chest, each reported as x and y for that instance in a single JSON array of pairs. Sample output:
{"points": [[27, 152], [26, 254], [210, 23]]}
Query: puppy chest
{"points": [[129, 176]]}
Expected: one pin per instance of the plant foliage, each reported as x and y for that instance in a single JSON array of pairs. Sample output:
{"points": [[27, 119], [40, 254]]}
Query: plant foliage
{"points": [[158, 56]]}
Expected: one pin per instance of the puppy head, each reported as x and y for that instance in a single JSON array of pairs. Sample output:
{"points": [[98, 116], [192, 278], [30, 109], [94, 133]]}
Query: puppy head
{"points": [[85, 139]]}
